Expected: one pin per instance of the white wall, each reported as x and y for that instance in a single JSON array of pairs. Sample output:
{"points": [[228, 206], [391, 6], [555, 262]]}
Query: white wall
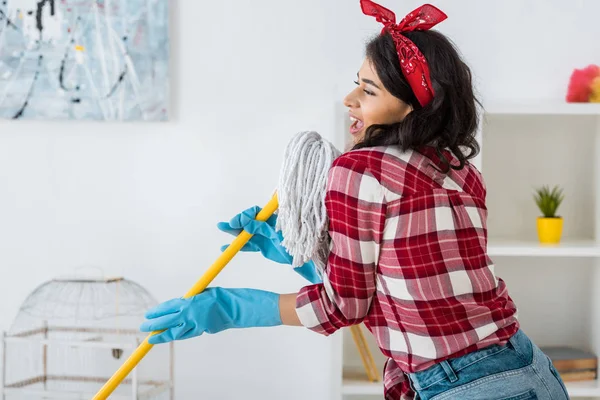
{"points": [[143, 200]]}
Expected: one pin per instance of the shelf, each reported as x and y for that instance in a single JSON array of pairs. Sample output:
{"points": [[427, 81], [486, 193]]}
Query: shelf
{"points": [[357, 387], [583, 389], [570, 248], [558, 108], [355, 383], [361, 387]]}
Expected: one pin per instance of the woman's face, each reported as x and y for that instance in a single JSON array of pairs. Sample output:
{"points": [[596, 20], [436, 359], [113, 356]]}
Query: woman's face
{"points": [[371, 104]]}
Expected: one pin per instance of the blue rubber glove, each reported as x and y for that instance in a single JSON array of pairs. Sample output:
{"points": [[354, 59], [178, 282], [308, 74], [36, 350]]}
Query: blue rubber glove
{"points": [[212, 311], [266, 240]]}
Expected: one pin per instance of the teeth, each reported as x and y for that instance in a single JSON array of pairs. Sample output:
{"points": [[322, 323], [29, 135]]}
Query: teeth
{"points": [[353, 119]]}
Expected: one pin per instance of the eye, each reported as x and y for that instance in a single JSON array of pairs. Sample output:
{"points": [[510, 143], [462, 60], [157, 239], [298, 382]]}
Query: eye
{"points": [[368, 92]]}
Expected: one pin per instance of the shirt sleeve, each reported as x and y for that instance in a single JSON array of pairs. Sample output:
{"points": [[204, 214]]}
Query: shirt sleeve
{"points": [[355, 206]]}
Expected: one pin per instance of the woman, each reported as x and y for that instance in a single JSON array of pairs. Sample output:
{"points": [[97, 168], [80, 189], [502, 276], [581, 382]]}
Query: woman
{"points": [[407, 221]]}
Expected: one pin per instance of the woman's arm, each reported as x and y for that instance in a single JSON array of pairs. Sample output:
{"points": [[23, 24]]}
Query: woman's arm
{"points": [[287, 309], [356, 208]]}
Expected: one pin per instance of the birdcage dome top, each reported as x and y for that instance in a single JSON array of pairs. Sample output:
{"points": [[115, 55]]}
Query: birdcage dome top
{"points": [[72, 332], [84, 301]]}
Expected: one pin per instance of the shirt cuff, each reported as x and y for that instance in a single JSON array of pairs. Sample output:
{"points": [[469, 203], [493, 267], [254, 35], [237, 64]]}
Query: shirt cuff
{"points": [[310, 310]]}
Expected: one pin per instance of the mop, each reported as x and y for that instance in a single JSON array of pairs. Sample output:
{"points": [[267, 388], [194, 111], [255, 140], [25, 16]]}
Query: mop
{"points": [[299, 201]]}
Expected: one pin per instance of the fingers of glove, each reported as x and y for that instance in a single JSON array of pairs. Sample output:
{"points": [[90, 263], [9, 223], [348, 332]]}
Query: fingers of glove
{"points": [[262, 229], [240, 220], [190, 334], [226, 227], [250, 218], [168, 307], [236, 224], [247, 247], [163, 337], [164, 322], [177, 333]]}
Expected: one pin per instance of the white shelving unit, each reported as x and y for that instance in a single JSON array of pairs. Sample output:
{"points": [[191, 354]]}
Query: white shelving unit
{"points": [[540, 108], [570, 248], [556, 288]]}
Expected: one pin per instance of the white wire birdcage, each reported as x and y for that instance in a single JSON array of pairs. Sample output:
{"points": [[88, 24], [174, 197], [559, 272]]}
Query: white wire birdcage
{"points": [[72, 334]]}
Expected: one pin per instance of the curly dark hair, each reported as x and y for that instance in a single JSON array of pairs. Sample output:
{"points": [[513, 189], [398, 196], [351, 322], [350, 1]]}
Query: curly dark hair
{"points": [[449, 121]]}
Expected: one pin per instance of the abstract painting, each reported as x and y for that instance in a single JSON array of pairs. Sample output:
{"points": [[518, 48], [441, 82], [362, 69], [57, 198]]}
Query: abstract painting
{"points": [[104, 60]]}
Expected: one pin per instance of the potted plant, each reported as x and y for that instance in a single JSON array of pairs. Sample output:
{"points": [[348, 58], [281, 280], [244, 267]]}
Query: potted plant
{"points": [[549, 225]]}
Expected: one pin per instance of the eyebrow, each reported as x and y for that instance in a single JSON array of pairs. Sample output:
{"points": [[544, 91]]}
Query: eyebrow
{"points": [[368, 81]]}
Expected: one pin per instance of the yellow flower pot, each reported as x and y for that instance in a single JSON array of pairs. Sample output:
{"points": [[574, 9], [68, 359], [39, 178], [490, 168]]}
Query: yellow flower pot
{"points": [[549, 230]]}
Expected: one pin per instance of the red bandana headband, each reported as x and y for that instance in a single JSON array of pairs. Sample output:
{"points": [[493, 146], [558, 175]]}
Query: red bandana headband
{"points": [[412, 61]]}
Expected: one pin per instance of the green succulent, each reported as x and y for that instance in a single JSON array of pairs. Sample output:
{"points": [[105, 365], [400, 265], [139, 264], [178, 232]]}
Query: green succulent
{"points": [[548, 200]]}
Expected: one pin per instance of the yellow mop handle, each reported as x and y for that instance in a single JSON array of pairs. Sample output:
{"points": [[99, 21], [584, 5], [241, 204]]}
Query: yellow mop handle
{"points": [[199, 287]]}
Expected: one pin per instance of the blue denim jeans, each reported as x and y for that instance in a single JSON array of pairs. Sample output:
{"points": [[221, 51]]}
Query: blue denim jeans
{"points": [[518, 370]]}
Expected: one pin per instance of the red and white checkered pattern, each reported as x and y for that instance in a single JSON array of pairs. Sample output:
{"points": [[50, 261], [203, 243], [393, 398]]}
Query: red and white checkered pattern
{"points": [[408, 258]]}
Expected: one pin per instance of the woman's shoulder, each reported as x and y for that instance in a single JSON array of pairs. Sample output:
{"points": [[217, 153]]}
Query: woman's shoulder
{"points": [[385, 166], [385, 162], [371, 158], [410, 171]]}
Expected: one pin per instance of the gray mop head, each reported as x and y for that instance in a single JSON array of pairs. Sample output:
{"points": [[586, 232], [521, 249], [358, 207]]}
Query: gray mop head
{"points": [[302, 218]]}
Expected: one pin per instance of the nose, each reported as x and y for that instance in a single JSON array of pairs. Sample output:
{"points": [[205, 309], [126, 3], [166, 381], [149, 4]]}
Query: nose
{"points": [[350, 100]]}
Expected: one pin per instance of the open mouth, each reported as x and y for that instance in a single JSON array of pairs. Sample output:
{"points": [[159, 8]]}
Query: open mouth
{"points": [[356, 126]]}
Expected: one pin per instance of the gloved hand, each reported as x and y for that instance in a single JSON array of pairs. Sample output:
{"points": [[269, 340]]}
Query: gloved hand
{"points": [[266, 240], [212, 311]]}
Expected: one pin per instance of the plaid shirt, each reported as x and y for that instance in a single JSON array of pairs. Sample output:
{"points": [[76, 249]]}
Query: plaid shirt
{"points": [[408, 258]]}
